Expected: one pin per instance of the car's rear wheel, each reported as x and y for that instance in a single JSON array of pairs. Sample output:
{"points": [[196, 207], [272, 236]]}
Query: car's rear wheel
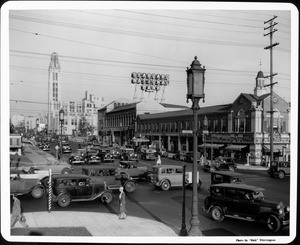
{"points": [[66, 171], [129, 186], [165, 185], [281, 174], [273, 223], [37, 192], [64, 200], [106, 197], [217, 213]]}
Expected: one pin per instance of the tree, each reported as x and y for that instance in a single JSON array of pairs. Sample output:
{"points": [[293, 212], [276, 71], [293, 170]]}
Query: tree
{"points": [[84, 127]]}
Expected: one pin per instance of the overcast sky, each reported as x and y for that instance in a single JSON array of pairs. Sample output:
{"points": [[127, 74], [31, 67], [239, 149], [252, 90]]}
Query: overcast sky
{"points": [[99, 49]]}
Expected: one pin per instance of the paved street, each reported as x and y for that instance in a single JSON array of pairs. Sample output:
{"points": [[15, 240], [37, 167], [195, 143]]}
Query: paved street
{"points": [[166, 207]]}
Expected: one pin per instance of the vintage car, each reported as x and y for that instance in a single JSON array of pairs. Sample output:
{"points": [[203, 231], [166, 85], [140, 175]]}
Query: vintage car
{"points": [[106, 175], [77, 159], [66, 149], [116, 152], [69, 188], [106, 155], [28, 173], [171, 155], [279, 169], [128, 154], [46, 147], [20, 186], [167, 176], [148, 154], [219, 177], [56, 167], [219, 163], [92, 157], [245, 202], [132, 168]]}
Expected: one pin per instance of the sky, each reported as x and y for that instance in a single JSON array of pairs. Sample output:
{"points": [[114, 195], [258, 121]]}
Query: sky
{"points": [[100, 45]]}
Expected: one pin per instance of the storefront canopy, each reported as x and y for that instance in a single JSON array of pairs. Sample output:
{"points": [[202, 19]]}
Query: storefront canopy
{"points": [[215, 146], [140, 139], [235, 147], [276, 148]]}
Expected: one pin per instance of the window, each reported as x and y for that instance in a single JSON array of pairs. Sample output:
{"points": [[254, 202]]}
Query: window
{"points": [[230, 193], [179, 170], [170, 170], [217, 192]]}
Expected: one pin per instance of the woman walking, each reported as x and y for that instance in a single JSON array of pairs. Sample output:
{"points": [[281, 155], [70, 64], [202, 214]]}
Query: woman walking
{"points": [[16, 214], [122, 204]]}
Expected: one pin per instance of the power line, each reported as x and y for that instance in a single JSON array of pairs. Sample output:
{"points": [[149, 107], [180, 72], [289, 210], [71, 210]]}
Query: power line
{"points": [[138, 34]]}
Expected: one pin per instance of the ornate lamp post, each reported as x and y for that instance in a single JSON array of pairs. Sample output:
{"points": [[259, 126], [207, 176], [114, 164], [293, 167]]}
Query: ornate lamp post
{"points": [[61, 120], [195, 92]]}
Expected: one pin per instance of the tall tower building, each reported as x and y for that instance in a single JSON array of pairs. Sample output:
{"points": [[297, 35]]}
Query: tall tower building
{"points": [[260, 88], [54, 92]]}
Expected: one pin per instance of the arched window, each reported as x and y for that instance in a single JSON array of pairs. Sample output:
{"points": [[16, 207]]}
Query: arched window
{"points": [[240, 121]]}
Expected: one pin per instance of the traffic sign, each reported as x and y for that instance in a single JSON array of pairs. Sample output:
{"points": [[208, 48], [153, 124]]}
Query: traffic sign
{"points": [[56, 147], [205, 131]]}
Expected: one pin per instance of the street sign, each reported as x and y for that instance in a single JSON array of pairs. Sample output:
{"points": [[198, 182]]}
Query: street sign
{"points": [[205, 131], [56, 147], [187, 131]]}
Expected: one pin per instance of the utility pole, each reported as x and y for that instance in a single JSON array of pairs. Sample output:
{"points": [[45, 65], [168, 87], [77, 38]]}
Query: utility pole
{"points": [[270, 47]]}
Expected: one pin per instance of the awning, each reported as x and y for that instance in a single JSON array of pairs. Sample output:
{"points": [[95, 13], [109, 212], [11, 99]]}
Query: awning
{"points": [[215, 146], [140, 140], [275, 148], [235, 147]]}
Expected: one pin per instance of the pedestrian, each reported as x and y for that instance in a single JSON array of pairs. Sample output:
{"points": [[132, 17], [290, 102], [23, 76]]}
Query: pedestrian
{"points": [[158, 162], [16, 214], [122, 204]]}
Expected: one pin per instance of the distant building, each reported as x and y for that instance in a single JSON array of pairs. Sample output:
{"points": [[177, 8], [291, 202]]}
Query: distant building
{"points": [[117, 121], [74, 111], [235, 130]]}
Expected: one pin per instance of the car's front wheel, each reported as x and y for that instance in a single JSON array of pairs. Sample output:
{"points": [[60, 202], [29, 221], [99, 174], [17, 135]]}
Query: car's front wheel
{"points": [[37, 192], [217, 213], [106, 197], [165, 185], [64, 200], [273, 223], [129, 186]]}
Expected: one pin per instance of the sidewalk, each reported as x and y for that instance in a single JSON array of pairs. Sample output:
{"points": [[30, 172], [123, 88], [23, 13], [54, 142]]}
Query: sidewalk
{"points": [[251, 167], [97, 224]]}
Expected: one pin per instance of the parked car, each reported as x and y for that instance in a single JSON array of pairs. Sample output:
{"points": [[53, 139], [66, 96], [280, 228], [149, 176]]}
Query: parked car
{"points": [[279, 169], [92, 157], [66, 149], [46, 147], [167, 176], [148, 154], [106, 175], [20, 186], [77, 159], [69, 188], [245, 202], [171, 155], [105, 155], [220, 163], [219, 177], [132, 168], [128, 154], [116, 152]]}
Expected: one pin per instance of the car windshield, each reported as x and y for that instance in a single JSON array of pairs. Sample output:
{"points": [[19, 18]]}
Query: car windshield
{"points": [[258, 195]]}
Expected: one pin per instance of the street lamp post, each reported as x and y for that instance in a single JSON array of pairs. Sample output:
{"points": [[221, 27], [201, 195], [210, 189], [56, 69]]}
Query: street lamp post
{"points": [[61, 120], [195, 92], [37, 125], [183, 231]]}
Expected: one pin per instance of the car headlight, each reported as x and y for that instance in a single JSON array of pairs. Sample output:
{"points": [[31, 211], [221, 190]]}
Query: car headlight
{"points": [[287, 209], [280, 211]]}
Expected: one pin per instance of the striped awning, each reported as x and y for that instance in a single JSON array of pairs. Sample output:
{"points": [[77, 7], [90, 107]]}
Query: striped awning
{"points": [[235, 147]]}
